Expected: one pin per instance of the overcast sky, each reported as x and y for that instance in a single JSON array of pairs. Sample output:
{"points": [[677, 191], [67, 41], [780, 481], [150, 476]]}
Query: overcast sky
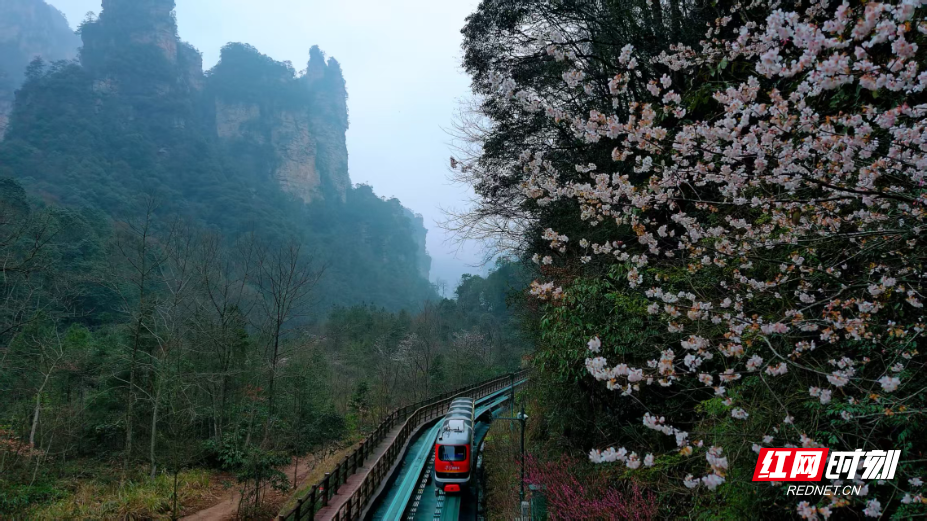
{"points": [[401, 60]]}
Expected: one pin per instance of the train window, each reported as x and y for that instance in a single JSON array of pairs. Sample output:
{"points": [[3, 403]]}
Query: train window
{"points": [[452, 452]]}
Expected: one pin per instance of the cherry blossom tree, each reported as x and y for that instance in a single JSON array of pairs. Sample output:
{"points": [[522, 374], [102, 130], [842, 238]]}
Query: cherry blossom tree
{"points": [[764, 199]]}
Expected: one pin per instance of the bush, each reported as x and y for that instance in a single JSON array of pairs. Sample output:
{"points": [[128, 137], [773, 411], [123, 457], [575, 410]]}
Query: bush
{"points": [[16, 498], [574, 491], [226, 453]]}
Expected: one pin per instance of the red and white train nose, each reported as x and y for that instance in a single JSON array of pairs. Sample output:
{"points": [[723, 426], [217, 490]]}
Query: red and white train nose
{"points": [[453, 447]]}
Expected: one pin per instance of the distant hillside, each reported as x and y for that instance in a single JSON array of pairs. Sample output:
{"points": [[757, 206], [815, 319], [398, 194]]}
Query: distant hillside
{"points": [[248, 146], [29, 28]]}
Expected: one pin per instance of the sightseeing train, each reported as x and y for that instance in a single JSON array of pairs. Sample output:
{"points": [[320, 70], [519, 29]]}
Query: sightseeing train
{"points": [[453, 447]]}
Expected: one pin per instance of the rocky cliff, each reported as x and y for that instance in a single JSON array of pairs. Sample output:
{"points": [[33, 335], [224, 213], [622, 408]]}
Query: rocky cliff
{"points": [[300, 120], [29, 29], [419, 235], [128, 30], [257, 102]]}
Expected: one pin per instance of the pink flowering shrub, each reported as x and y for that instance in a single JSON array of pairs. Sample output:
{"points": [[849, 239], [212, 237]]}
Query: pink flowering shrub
{"points": [[571, 495], [764, 201]]}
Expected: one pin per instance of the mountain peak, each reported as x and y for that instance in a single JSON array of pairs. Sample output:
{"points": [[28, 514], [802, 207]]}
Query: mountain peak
{"points": [[128, 24]]}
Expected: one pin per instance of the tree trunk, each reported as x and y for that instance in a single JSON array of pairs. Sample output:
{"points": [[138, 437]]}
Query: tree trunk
{"points": [[130, 409], [675, 19], [250, 426], [656, 12], [223, 398], [35, 417], [154, 431], [273, 372], [38, 408], [130, 406]]}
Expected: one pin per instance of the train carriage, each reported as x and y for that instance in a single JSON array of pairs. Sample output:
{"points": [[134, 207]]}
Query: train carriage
{"points": [[453, 447]]}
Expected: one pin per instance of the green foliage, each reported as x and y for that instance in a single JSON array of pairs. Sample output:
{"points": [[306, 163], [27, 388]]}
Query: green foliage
{"points": [[227, 453], [16, 497], [260, 473], [244, 75], [584, 412], [260, 466], [360, 400]]}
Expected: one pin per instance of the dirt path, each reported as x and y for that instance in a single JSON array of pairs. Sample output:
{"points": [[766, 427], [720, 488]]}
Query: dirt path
{"points": [[311, 469]]}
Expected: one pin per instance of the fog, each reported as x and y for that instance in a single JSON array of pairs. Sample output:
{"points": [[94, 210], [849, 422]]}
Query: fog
{"points": [[401, 60]]}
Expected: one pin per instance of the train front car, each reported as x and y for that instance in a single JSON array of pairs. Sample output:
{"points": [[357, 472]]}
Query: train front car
{"points": [[453, 447]]}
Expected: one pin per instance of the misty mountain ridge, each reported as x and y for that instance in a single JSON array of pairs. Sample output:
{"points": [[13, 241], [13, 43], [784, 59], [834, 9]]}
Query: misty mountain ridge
{"points": [[250, 145]]}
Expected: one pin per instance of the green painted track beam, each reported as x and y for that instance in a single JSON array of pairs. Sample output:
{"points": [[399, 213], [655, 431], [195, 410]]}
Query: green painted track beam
{"points": [[451, 509], [410, 481]]}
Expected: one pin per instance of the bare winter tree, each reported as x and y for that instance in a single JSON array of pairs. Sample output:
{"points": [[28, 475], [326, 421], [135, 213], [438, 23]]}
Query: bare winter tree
{"points": [[470, 353], [225, 298], [24, 239], [169, 323], [496, 219], [287, 276], [387, 371], [48, 353], [135, 259], [420, 350]]}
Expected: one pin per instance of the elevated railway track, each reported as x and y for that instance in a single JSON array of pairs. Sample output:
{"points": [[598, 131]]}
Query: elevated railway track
{"points": [[389, 476]]}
